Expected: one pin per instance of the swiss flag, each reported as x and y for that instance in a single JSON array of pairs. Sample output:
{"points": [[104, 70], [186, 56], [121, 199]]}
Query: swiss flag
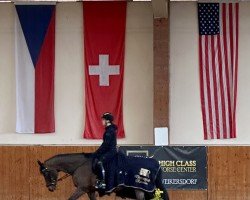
{"points": [[104, 45]]}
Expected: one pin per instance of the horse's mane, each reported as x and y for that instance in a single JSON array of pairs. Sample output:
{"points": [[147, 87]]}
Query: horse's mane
{"points": [[58, 156]]}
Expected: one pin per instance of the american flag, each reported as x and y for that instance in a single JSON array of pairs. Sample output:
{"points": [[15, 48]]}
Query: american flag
{"points": [[218, 55]]}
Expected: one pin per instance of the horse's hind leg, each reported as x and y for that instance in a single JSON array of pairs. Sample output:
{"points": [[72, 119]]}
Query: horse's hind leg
{"points": [[77, 194], [159, 185], [140, 195]]}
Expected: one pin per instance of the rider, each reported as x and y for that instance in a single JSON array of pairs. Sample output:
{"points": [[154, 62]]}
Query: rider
{"points": [[108, 149]]}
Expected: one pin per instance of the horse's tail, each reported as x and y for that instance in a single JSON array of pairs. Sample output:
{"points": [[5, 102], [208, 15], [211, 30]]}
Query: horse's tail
{"points": [[159, 185]]}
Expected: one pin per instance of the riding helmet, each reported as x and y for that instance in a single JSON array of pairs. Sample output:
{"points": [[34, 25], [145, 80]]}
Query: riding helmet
{"points": [[108, 116]]}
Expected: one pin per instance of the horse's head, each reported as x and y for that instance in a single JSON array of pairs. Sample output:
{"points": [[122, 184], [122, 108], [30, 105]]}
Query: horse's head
{"points": [[50, 175]]}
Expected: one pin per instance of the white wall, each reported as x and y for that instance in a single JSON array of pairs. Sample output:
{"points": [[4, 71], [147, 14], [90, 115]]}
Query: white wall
{"points": [[69, 83], [185, 110]]}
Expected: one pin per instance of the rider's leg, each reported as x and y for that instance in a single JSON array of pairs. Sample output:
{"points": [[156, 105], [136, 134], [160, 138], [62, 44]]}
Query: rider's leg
{"points": [[103, 172], [105, 158], [102, 176]]}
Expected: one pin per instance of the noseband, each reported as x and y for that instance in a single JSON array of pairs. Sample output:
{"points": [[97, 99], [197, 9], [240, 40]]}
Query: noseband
{"points": [[46, 173]]}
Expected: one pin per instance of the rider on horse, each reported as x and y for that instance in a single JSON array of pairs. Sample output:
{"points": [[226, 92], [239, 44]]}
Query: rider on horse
{"points": [[107, 150]]}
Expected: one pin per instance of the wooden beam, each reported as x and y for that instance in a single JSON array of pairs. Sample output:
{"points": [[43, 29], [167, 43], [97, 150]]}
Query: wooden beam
{"points": [[161, 72]]}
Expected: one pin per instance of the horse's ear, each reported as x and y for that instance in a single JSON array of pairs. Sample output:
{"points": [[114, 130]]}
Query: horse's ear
{"points": [[40, 163]]}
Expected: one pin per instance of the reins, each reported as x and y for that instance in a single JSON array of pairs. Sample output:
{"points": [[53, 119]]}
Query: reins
{"points": [[63, 177]]}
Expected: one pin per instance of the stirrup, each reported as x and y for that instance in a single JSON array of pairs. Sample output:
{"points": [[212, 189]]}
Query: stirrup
{"points": [[101, 185]]}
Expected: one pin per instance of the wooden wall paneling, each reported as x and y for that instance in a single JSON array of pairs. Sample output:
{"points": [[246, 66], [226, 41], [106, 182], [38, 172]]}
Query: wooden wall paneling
{"points": [[213, 165], [14, 169], [245, 163], [20, 166], [188, 194], [221, 176], [3, 179], [240, 170], [228, 173], [231, 176]]}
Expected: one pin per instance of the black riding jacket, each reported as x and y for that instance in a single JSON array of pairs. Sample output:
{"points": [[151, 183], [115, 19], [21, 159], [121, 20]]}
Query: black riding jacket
{"points": [[108, 148]]}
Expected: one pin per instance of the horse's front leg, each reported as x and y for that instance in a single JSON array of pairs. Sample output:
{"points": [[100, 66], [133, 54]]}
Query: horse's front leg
{"points": [[92, 195], [77, 194]]}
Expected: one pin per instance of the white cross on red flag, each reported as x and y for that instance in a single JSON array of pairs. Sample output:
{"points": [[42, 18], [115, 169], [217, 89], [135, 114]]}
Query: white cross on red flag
{"points": [[104, 45], [104, 70]]}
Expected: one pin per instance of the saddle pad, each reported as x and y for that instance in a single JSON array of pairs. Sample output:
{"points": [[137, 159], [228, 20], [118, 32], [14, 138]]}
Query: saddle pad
{"points": [[133, 172]]}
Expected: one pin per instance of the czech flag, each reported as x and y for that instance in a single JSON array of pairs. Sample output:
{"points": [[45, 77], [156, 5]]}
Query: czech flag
{"points": [[35, 64]]}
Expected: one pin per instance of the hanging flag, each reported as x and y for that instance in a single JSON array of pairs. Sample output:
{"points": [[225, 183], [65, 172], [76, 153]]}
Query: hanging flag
{"points": [[218, 53], [104, 44], [35, 63]]}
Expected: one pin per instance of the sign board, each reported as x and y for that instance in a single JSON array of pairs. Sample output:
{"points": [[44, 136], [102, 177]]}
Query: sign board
{"points": [[184, 167]]}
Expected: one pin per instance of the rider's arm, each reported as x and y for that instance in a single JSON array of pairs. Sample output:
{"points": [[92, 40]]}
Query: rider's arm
{"points": [[105, 145]]}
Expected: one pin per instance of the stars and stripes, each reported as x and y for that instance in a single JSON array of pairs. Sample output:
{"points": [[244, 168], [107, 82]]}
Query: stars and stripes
{"points": [[218, 53], [209, 18]]}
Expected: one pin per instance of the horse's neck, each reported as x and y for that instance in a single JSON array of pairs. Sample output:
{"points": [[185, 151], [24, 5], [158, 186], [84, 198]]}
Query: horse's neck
{"points": [[67, 163]]}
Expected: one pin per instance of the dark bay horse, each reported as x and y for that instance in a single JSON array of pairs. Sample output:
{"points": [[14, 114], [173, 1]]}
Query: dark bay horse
{"points": [[79, 166]]}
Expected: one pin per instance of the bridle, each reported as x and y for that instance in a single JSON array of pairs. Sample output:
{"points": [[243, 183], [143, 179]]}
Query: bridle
{"points": [[45, 171]]}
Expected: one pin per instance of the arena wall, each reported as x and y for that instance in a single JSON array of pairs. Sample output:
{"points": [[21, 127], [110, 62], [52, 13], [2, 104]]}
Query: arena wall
{"points": [[69, 77], [228, 174]]}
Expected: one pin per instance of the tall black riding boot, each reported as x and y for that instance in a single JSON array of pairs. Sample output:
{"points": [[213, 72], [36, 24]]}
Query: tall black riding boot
{"points": [[101, 182]]}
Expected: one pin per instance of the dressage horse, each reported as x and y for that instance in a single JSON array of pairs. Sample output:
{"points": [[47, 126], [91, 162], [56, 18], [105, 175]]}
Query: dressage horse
{"points": [[79, 166]]}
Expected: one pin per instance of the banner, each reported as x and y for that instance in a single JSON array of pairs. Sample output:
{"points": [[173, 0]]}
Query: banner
{"points": [[183, 167], [35, 63], [104, 45]]}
